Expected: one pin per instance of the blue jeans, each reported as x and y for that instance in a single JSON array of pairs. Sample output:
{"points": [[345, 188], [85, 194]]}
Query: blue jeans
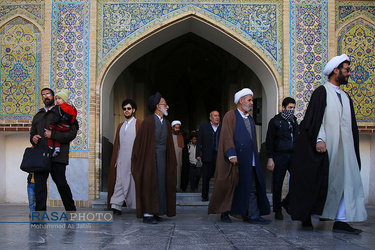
{"points": [[31, 196], [283, 162]]}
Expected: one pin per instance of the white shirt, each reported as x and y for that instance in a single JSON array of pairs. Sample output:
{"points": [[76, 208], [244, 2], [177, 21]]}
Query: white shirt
{"points": [[160, 118], [214, 127], [127, 123]]}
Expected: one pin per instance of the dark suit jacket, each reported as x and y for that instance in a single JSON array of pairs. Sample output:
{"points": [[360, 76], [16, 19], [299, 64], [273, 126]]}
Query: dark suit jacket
{"points": [[205, 142]]}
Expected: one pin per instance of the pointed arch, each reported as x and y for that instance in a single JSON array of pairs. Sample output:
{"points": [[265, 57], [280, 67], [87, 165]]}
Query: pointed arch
{"points": [[207, 29]]}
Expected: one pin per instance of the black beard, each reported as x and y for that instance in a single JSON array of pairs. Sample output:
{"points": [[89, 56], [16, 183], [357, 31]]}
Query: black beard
{"points": [[341, 79], [48, 103], [128, 116]]}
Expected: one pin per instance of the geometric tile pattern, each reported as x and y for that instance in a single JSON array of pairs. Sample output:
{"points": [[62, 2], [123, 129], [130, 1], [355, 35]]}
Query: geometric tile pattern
{"points": [[33, 9], [357, 40], [308, 50], [259, 23], [70, 59], [20, 61], [347, 11]]}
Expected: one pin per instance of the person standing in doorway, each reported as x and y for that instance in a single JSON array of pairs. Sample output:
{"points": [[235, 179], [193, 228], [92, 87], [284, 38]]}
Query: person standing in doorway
{"points": [[206, 151]]}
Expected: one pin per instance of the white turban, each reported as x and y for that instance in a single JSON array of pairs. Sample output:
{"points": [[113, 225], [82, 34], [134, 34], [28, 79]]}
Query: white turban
{"points": [[242, 93], [334, 62], [176, 122]]}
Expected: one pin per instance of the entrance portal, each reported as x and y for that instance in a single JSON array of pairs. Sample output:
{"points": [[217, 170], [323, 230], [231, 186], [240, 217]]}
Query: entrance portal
{"points": [[197, 70]]}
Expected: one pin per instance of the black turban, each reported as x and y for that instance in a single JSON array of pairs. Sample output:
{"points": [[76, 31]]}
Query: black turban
{"points": [[153, 101], [131, 102]]}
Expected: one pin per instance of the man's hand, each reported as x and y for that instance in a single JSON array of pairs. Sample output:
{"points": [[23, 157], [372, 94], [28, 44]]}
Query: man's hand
{"points": [[270, 164], [47, 133], [36, 139], [321, 147], [234, 161], [199, 159]]}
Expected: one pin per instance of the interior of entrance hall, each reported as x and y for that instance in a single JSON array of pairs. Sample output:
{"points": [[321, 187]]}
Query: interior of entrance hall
{"points": [[194, 76]]}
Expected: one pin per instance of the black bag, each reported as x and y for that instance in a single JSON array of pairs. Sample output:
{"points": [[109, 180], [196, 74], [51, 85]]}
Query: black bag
{"points": [[36, 160]]}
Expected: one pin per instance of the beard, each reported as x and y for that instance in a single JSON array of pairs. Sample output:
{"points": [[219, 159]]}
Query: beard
{"points": [[341, 79], [48, 102], [164, 111], [247, 108], [128, 116]]}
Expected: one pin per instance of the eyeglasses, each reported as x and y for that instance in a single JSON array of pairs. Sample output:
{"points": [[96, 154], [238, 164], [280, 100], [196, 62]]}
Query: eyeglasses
{"points": [[127, 108], [48, 94]]}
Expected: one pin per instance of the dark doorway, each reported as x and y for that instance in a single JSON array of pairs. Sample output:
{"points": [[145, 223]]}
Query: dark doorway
{"points": [[194, 76]]}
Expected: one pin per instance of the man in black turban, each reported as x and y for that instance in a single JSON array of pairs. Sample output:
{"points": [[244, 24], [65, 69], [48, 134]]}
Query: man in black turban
{"points": [[154, 164]]}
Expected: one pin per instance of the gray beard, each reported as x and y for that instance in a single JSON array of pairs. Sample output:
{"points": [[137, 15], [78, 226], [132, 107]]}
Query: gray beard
{"points": [[164, 111], [247, 109]]}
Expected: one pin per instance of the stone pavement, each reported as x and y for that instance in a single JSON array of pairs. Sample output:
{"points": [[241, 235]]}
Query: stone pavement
{"points": [[192, 228]]}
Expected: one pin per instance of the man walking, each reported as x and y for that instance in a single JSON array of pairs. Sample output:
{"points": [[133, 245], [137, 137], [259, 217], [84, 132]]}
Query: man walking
{"points": [[325, 174], [121, 186], [239, 184], [154, 164], [39, 135], [206, 150], [280, 142]]}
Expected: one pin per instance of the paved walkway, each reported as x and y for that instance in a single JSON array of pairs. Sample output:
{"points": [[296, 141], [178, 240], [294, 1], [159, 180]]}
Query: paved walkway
{"points": [[190, 229]]}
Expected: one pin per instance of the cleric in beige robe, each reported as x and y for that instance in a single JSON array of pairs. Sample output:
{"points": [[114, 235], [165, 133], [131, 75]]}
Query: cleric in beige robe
{"points": [[325, 174], [121, 186]]}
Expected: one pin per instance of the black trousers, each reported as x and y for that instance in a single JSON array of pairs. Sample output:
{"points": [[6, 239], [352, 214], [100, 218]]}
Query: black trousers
{"points": [[58, 176], [282, 162], [208, 170]]}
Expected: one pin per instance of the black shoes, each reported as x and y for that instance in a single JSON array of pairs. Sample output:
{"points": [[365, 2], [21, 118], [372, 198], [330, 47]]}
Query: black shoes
{"points": [[259, 220], [307, 225], [116, 211], [343, 227], [150, 220], [225, 218], [285, 205], [204, 199], [279, 215], [158, 218]]}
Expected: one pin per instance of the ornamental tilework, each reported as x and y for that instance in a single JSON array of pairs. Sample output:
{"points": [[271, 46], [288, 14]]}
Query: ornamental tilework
{"points": [[70, 59], [357, 40], [347, 11], [19, 70], [33, 9], [308, 50], [258, 23]]}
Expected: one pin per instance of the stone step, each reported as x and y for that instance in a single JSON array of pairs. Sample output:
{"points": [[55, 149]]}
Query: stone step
{"points": [[183, 200]]}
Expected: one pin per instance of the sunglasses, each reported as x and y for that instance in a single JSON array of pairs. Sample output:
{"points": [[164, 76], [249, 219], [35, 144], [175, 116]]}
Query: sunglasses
{"points": [[48, 94], [128, 108]]}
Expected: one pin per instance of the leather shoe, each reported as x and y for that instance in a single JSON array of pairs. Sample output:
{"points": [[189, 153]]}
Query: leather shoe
{"points": [[279, 215], [259, 220], [225, 218], [116, 211], [150, 220], [204, 199], [343, 227], [158, 218], [285, 205], [307, 225]]}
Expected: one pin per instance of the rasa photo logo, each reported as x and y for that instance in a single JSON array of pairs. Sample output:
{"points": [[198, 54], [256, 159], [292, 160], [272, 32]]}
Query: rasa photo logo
{"points": [[72, 217]]}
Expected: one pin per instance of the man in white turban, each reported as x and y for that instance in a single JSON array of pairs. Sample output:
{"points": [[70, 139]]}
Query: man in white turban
{"points": [[179, 145], [325, 178], [239, 184]]}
